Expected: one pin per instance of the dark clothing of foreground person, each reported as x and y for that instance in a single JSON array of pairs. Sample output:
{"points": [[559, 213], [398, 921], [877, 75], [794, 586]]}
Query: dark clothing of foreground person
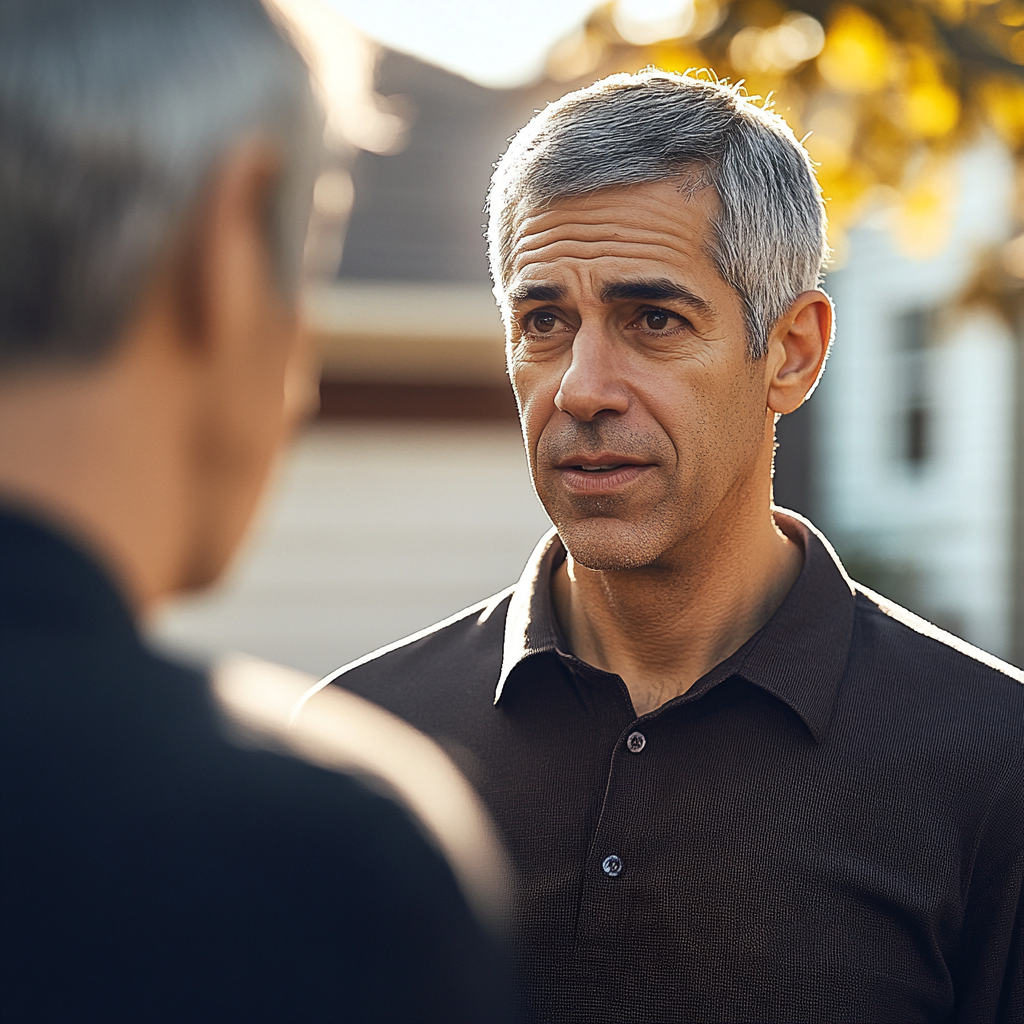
{"points": [[829, 826], [153, 871], [174, 848]]}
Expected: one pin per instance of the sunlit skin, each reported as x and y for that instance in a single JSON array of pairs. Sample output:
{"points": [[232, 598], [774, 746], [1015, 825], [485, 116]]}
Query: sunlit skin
{"points": [[649, 430], [156, 457]]}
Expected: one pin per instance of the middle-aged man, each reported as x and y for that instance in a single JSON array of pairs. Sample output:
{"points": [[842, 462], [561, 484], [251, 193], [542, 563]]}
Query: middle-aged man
{"points": [[158, 862], [736, 785]]}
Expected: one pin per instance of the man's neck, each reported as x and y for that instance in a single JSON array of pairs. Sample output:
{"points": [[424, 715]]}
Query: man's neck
{"points": [[662, 628], [78, 452]]}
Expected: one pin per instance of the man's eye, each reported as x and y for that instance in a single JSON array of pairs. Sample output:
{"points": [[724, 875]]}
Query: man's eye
{"points": [[542, 323], [657, 320]]}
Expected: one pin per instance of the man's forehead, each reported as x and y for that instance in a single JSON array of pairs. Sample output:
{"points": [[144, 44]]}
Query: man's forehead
{"points": [[649, 231], [690, 190]]}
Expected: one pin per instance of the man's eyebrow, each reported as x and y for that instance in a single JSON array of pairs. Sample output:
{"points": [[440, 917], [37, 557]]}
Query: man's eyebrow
{"points": [[536, 293], [655, 290]]}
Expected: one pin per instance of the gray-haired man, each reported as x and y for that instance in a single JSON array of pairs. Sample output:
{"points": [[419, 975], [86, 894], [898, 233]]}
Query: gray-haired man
{"points": [[157, 160], [737, 786]]}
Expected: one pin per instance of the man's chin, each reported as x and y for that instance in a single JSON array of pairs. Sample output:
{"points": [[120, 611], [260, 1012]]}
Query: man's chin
{"points": [[610, 545]]}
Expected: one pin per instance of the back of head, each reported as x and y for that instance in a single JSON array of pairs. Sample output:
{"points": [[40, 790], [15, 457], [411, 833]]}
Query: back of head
{"points": [[113, 113], [769, 241]]}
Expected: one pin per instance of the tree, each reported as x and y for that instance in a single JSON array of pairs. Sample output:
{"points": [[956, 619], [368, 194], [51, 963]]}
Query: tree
{"points": [[889, 90]]}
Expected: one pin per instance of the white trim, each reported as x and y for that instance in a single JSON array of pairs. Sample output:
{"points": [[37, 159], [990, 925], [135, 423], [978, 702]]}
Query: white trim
{"points": [[407, 331]]}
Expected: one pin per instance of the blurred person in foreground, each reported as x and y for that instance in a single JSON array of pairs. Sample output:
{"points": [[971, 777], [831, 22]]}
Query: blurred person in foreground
{"points": [[736, 785], [171, 850]]}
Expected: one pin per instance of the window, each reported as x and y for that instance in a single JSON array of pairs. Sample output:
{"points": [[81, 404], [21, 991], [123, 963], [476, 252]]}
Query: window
{"points": [[915, 417]]}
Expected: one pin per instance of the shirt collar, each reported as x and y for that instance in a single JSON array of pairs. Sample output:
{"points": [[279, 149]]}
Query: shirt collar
{"points": [[530, 624], [798, 656]]}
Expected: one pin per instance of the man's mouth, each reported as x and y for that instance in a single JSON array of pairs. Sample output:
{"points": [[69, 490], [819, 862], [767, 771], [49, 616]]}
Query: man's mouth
{"points": [[599, 463], [601, 474]]}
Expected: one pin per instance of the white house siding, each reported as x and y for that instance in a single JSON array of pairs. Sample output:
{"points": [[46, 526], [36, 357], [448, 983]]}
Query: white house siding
{"points": [[937, 533], [374, 531]]}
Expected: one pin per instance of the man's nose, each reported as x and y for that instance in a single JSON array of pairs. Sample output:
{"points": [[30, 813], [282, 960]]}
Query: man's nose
{"points": [[592, 385]]}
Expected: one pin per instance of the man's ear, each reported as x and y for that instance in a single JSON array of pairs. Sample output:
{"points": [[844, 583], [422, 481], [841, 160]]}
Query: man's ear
{"points": [[797, 349], [225, 248]]}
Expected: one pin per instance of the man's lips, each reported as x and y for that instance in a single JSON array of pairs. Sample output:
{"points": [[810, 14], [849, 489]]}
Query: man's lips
{"points": [[601, 473], [600, 461]]}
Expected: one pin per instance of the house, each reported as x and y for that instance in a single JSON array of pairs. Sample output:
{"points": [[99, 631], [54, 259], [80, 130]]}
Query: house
{"points": [[917, 455]]}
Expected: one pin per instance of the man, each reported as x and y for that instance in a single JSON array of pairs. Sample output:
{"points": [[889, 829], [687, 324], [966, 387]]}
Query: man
{"points": [[736, 785], [156, 164]]}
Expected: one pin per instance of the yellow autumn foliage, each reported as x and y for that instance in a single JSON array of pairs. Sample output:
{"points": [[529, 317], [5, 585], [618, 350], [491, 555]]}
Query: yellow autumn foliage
{"points": [[878, 89], [857, 56]]}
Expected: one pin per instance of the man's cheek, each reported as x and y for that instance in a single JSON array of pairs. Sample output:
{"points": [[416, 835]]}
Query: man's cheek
{"points": [[536, 412]]}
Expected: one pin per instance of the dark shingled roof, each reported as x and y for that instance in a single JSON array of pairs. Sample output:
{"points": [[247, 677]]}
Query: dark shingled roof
{"points": [[418, 215]]}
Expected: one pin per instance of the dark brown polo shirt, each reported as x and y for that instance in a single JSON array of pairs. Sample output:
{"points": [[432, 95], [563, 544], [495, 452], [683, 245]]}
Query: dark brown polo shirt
{"points": [[827, 827]]}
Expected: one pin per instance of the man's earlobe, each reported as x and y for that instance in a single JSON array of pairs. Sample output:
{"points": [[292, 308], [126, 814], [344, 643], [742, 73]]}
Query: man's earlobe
{"points": [[798, 348]]}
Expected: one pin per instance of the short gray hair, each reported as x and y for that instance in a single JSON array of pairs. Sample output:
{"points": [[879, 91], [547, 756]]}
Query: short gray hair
{"points": [[113, 115], [769, 240]]}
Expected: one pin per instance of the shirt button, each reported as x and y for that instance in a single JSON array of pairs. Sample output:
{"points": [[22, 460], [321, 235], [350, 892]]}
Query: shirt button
{"points": [[636, 741], [612, 865]]}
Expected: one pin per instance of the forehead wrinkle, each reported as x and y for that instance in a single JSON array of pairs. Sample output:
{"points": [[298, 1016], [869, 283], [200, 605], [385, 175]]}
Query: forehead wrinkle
{"points": [[552, 236], [676, 243], [650, 251], [607, 214], [598, 231]]}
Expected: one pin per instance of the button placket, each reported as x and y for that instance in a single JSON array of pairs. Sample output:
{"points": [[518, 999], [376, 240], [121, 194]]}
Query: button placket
{"points": [[614, 864]]}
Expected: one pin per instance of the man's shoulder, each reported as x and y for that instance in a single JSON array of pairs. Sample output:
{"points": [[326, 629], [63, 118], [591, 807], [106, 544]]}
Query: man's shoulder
{"points": [[200, 808], [935, 674], [170, 774], [918, 639], [458, 654], [134, 721], [270, 707]]}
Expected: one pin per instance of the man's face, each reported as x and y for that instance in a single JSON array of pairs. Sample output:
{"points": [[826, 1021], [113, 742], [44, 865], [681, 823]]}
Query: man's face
{"points": [[641, 410]]}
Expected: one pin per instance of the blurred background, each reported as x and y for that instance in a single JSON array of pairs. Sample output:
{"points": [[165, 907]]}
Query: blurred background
{"points": [[409, 498]]}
